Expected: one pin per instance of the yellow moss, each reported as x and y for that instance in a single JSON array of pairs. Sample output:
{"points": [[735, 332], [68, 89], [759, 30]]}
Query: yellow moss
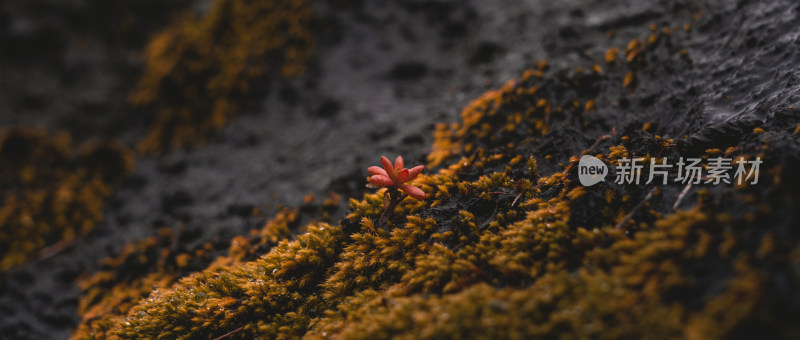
{"points": [[199, 68], [590, 105], [444, 145], [629, 79], [52, 191], [496, 251], [611, 55], [522, 271], [109, 294]]}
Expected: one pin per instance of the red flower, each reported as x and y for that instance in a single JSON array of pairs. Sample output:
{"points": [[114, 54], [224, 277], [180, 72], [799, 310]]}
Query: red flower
{"points": [[395, 176]]}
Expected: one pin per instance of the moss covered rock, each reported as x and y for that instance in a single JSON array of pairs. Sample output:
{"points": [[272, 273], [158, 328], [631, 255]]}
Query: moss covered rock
{"points": [[509, 245]]}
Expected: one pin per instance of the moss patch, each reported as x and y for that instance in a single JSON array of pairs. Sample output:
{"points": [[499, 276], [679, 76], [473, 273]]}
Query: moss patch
{"points": [[158, 262], [52, 190], [201, 67]]}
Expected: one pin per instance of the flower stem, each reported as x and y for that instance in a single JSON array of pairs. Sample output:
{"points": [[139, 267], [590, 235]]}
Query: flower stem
{"points": [[394, 198]]}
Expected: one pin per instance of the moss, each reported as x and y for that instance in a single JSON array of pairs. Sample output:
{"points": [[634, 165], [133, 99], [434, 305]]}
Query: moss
{"points": [[200, 67], [158, 262], [52, 191], [509, 249], [265, 294], [573, 306], [126, 278]]}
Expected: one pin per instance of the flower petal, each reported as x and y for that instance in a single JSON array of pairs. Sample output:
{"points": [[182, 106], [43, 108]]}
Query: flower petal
{"points": [[402, 176], [413, 191], [381, 180], [414, 172], [387, 165], [398, 163], [376, 170]]}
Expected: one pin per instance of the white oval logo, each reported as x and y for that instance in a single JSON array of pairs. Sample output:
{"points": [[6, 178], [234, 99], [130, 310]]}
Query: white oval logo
{"points": [[591, 170]]}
